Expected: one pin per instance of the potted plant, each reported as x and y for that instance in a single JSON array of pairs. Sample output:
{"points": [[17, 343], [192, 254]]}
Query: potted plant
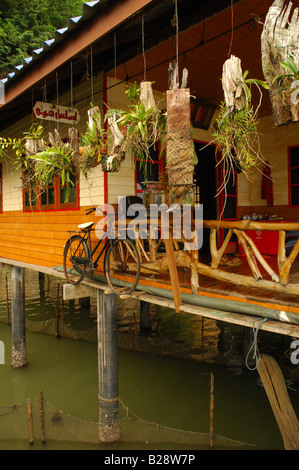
{"points": [[143, 123], [236, 128], [93, 142]]}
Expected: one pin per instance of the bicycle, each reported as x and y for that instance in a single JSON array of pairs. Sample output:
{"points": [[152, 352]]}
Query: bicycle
{"points": [[121, 260]]}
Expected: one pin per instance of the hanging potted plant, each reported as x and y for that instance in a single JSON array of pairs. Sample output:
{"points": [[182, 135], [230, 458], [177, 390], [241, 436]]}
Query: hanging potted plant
{"points": [[42, 161], [93, 142], [236, 127], [143, 123]]}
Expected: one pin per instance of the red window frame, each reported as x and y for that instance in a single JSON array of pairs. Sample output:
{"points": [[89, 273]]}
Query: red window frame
{"points": [[58, 204], [290, 168]]}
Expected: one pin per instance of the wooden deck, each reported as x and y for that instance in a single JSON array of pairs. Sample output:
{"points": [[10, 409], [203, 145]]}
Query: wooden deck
{"points": [[209, 288]]}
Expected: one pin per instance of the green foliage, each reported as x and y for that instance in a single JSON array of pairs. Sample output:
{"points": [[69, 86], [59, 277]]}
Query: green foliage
{"points": [[236, 133], [51, 162], [253, 81], [94, 143], [42, 167], [24, 26], [286, 79], [144, 128], [237, 136]]}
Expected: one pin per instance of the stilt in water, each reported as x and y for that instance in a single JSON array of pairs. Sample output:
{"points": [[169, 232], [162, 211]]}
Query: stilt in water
{"points": [[109, 427], [19, 350]]}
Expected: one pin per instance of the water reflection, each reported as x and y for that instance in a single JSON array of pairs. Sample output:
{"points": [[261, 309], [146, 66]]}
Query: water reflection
{"points": [[168, 390]]}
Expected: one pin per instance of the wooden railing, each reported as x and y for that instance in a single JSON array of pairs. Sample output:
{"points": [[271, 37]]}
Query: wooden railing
{"points": [[153, 262]]}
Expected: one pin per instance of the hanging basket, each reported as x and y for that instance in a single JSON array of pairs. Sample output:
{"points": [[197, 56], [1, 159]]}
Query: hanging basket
{"points": [[110, 164]]}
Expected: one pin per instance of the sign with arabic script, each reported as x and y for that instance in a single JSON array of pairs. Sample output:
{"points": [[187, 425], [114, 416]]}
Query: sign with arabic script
{"points": [[54, 112]]}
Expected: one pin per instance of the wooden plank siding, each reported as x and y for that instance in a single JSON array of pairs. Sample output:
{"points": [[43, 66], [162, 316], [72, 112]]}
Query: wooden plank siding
{"points": [[39, 238]]}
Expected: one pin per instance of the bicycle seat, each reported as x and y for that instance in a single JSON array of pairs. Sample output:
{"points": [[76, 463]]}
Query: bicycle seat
{"points": [[86, 226]]}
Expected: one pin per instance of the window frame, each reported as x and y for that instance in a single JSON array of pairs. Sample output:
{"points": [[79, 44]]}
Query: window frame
{"points": [[58, 205], [290, 168]]}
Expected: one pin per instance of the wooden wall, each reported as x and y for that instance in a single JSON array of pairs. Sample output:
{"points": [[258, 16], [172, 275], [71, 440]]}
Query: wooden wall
{"points": [[39, 237]]}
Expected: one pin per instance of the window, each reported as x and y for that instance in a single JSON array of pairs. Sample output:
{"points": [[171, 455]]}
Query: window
{"points": [[1, 190], [52, 198], [294, 176]]}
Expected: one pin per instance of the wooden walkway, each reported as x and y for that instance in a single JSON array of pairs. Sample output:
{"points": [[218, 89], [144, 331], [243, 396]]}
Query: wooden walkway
{"points": [[209, 288]]}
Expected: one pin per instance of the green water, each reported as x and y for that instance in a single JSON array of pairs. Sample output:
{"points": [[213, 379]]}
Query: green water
{"points": [[169, 391]]}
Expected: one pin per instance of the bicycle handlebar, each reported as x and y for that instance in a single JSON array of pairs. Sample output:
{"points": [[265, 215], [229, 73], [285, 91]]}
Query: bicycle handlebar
{"points": [[93, 209]]}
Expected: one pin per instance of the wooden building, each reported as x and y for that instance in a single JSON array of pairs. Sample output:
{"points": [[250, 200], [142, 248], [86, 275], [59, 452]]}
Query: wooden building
{"points": [[90, 62]]}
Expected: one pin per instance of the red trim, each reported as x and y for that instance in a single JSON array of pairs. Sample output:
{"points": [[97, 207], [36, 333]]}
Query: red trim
{"points": [[104, 112], [58, 206]]}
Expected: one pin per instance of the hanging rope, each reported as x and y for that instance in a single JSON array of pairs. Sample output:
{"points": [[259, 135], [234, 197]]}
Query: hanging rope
{"points": [[232, 28], [177, 37], [91, 73], [57, 99], [143, 52], [115, 87], [254, 346], [72, 96]]}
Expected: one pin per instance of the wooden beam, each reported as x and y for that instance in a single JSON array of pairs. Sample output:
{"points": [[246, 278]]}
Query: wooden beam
{"points": [[71, 291], [280, 402]]}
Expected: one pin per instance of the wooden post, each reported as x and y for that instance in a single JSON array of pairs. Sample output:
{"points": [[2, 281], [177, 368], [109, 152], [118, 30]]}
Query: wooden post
{"points": [[109, 428], [19, 352], [212, 412], [279, 399], [42, 417], [30, 420]]}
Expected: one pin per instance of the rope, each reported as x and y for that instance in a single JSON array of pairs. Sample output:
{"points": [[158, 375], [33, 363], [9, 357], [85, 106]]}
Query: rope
{"points": [[254, 346]]}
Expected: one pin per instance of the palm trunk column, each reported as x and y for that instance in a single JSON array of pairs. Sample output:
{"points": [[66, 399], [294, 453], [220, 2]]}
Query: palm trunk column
{"points": [[19, 351], [109, 428]]}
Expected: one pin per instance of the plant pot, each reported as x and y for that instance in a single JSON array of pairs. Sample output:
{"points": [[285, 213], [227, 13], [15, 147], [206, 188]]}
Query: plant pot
{"points": [[110, 166]]}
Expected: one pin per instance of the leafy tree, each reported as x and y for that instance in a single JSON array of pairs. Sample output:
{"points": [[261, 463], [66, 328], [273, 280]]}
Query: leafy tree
{"points": [[24, 26]]}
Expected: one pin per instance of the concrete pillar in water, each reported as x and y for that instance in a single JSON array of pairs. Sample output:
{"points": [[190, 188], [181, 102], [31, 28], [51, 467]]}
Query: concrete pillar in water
{"points": [[19, 351], [109, 428]]}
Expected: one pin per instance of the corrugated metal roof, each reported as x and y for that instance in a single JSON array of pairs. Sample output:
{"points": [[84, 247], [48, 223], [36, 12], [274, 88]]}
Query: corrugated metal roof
{"points": [[88, 10]]}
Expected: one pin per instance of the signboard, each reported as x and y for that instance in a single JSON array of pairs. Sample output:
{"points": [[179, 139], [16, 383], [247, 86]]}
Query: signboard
{"points": [[53, 112]]}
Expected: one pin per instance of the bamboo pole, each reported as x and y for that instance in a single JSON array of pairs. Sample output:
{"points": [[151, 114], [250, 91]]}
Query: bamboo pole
{"points": [[42, 417], [30, 420], [212, 412], [287, 264], [249, 255], [260, 258], [217, 254]]}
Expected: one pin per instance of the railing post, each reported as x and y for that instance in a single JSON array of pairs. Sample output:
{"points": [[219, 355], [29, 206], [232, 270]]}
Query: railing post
{"points": [[19, 351], [109, 428]]}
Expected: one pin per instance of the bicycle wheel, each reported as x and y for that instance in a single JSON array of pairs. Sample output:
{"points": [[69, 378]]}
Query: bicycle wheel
{"points": [[75, 257], [122, 266]]}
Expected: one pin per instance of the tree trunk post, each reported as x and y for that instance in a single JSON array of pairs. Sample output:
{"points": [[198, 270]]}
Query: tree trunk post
{"points": [[19, 351], [109, 427]]}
